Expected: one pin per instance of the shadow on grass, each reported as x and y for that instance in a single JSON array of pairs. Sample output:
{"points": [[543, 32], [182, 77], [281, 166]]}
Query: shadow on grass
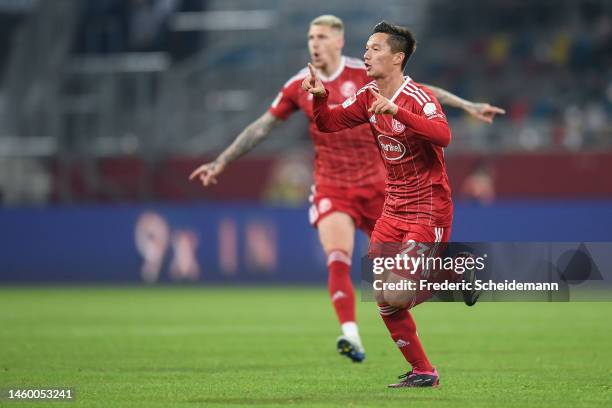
{"points": [[414, 395]]}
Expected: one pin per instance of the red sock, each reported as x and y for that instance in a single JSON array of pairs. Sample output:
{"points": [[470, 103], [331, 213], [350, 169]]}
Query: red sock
{"points": [[340, 285], [402, 328]]}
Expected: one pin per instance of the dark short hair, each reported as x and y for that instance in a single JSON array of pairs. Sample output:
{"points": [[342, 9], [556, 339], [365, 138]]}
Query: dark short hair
{"points": [[400, 39]]}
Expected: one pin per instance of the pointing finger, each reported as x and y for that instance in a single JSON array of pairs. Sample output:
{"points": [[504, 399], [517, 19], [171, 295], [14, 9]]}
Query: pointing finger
{"points": [[497, 110], [195, 173]]}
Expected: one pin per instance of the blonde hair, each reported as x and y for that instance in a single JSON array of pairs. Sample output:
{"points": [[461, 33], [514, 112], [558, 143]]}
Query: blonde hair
{"points": [[330, 21]]}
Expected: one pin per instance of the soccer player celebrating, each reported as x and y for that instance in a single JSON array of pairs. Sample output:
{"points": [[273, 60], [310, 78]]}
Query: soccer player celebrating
{"points": [[348, 172], [411, 131]]}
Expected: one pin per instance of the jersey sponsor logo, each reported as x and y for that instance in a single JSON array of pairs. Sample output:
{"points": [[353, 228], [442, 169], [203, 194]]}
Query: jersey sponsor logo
{"points": [[398, 127], [429, 108], [349, 101], [348, 88], [392, 149]]}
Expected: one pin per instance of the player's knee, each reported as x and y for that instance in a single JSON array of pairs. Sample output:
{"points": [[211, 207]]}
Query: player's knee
{"points": [[337, 232], [379, 296], [332, 246], [400, 299]]}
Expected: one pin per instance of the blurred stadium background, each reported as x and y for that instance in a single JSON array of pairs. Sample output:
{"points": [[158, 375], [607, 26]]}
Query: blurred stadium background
{"points": [[106, 106]]}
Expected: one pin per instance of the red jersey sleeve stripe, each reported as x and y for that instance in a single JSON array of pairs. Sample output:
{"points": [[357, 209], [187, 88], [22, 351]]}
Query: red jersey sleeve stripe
{"points": [[413, 88], [416, 98]]}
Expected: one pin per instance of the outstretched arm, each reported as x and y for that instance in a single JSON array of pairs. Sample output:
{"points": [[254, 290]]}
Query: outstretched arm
{"points": [[480, 111], [329, 120], [250, 137]]}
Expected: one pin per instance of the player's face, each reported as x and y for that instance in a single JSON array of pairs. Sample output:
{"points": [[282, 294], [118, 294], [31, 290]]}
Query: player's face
{"points": [[324, 44], [379, 60]]}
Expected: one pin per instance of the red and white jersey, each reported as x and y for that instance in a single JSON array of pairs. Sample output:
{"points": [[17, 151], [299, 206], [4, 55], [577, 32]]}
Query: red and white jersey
{"points": [[411, 144], [347, 158]]}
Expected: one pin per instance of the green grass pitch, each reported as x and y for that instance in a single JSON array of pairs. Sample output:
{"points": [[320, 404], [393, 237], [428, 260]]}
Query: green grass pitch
{"points": [[197, 346]]}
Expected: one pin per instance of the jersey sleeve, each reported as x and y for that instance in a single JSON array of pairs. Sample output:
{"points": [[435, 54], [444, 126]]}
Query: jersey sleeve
{"points": [[285, 102], [349, 114], [426, 119]]}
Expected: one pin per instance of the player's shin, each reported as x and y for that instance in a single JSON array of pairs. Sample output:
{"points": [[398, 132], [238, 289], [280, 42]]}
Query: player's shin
{"points": [[343, 299], [341, 289], [402, 328]]}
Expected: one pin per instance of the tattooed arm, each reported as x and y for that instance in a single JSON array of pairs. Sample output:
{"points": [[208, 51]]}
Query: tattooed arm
{"points": [[250, 137], [481, 111]]}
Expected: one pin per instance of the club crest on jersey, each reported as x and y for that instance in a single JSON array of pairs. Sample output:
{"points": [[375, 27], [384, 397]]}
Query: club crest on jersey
{"points": [[392, 149], [348, 88], [398, 127]]}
